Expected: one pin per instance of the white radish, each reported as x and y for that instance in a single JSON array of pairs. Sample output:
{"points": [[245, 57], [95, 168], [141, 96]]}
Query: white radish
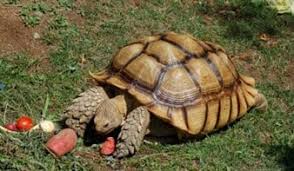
{"points": [[45, 125]]}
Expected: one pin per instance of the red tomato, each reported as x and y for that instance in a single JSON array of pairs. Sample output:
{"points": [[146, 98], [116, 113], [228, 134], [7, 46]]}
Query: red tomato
{"points": [[24, 123], [108, 147], [11, 126]]}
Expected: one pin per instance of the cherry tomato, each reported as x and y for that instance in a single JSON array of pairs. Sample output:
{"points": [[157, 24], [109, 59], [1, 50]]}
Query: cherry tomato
{"points": [[11, 126], [24, 123], [108, 147]]}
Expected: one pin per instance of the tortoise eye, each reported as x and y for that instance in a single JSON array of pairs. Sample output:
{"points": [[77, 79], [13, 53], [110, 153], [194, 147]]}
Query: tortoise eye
{"points": [[106, 125]]}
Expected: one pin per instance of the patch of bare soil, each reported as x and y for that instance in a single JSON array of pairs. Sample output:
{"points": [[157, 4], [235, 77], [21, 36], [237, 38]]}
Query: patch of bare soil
{"points": [[75, 18], [15, 37]]}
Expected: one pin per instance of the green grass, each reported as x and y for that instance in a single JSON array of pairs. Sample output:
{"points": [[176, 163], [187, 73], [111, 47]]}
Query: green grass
{"points": [[259, 141]]}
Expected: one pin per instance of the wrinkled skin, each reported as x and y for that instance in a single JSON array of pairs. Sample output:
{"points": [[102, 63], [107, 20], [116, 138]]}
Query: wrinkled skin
{"points": [[110, 115]]}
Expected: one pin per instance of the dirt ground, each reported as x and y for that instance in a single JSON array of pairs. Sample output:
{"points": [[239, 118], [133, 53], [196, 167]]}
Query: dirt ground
{"points": [[15, 37]]}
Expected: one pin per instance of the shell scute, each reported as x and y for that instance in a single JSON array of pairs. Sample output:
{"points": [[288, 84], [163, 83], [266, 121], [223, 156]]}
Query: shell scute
{"points": [[145, 70], [207, 80], [178, 118], [225, 110], [212, 115], [234, 107], [196, 117], [174, 93], [126, 54], [165, 53], [225, 73], [185, 43]]}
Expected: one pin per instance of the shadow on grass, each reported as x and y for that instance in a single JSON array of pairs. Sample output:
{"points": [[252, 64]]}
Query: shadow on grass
{"points": [[91, 138], [247, 19], [284, 155]]}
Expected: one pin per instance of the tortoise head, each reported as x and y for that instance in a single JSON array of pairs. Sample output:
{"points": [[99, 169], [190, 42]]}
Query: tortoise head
{"points": [[110, 114]]}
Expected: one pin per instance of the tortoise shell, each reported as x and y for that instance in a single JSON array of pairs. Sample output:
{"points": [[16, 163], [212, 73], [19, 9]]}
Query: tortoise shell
{"points": [[189, 83]]}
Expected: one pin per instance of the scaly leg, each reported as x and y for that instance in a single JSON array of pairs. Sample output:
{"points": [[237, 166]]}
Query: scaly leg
{"points": [[132, 132], [83, 108]]}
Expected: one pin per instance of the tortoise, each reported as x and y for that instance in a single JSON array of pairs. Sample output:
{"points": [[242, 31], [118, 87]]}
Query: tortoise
{"points": [[188, 84]]}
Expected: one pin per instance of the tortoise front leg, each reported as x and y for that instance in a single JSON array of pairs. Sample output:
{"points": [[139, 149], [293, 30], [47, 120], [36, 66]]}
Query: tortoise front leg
{"points": [[132, 132], [83, 108]]}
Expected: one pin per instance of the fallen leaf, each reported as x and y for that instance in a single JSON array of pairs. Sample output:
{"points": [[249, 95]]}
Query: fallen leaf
{"points": [[264, 37], [270, 41]]}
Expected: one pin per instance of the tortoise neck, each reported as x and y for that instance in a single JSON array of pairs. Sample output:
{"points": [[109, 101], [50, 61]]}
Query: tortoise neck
{"points": [[121, 104]]}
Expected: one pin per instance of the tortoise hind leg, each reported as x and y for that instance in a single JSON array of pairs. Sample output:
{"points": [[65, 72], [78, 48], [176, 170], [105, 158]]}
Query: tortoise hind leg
{"points": [[82, 109], [261, 102], [132, 132]]}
